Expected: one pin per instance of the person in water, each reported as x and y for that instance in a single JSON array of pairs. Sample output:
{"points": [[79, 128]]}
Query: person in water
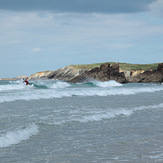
{"points": [[25, 81]]}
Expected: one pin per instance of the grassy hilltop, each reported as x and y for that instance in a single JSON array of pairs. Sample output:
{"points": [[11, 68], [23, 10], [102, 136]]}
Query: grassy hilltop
{"points": [[124, 66]]}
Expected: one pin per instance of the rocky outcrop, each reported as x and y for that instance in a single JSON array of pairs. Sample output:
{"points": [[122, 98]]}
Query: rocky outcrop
{"points": [[66, 73], [104, 73], [148, 76]]}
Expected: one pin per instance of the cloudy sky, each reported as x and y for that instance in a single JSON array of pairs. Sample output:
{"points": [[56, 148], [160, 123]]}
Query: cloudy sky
{"points": [[38, 35]]}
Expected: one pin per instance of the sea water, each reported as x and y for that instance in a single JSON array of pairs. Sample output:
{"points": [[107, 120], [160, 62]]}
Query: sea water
{"points": [[53, 121]]}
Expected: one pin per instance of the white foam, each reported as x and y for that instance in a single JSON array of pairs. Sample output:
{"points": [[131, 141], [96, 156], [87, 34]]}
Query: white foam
{"points": [[15, 85], [34, 94], [158, 156], [16, 81], [60, 84], [10, 87], [105, 84], [95, 115], [107, 115], [112, 113], [17, 136]]}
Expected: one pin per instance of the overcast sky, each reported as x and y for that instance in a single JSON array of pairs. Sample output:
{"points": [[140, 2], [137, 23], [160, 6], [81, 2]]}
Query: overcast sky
{"points": [[39, 35]]}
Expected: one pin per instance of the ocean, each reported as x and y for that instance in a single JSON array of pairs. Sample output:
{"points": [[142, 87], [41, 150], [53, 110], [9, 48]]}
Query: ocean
{"points": [[52, 121]]}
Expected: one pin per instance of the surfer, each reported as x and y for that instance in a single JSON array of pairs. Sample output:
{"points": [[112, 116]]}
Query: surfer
{"points": [[25, 81]]}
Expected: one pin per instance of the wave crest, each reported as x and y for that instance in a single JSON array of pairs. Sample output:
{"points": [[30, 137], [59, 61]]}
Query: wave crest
{"points": [[105, 84], [60, 84], [17, 136]]}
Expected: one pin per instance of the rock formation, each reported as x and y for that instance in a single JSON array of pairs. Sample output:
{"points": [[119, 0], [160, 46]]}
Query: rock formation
{"points": [[148, 76], [104, 73], [66, 73], [108, 72]]}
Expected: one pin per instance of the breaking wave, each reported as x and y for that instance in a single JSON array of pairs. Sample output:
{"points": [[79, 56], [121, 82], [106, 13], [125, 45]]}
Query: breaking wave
{"points": [[60, 84], [117, 112], [17, 136], [107, 84], [58, 89], [59, 93], [96, 115], [11, 87]]}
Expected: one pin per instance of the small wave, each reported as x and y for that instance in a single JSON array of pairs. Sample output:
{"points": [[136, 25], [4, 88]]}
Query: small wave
{"points": [[113, 113], [17, 136], [107, 115], [10, 87], [60, 84], [97, 115], [61, 92], [14, 85], [110, 83], [15, 81], [39, 86]]}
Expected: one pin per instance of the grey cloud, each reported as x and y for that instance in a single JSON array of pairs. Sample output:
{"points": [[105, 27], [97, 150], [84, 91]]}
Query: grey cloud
{"points": [[83, 6]]}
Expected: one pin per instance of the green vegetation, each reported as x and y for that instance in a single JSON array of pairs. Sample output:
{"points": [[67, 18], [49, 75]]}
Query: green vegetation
{"points": [[127, 66], [124, 66]]}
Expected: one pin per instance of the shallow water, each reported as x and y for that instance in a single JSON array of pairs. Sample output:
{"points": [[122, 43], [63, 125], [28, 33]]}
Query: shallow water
{"points": [[103, 122]]}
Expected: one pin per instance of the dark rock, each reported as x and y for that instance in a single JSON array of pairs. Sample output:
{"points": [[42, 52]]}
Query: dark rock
{"points": [[107, 72], [160, 66], [151, 76], [114, 69], [104, 66], [104, 73], [78, 79]]}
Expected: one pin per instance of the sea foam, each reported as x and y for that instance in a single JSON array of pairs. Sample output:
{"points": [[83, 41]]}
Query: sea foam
{"points": [[60, 84], [95, 115], [106, 84], [18, 135], [10, 87], [35, 94], [113, 113]]}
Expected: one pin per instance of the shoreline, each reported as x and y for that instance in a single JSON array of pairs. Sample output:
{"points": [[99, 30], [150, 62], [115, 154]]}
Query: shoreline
{"points": [[120, 72]]}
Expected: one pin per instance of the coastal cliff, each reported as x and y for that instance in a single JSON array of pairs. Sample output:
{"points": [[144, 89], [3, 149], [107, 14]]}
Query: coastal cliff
{"points": [[120, 72]]}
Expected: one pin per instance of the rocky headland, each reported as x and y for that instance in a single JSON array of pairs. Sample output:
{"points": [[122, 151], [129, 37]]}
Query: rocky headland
{"points": [[120, 72], [104, 72]]}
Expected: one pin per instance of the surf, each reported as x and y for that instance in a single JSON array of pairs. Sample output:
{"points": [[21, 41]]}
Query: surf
{"points": [[47, 89], [18, 135], [94, 115]]}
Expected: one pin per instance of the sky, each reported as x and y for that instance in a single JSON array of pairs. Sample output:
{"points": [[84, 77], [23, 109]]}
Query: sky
{"points": [[40, 35]]}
